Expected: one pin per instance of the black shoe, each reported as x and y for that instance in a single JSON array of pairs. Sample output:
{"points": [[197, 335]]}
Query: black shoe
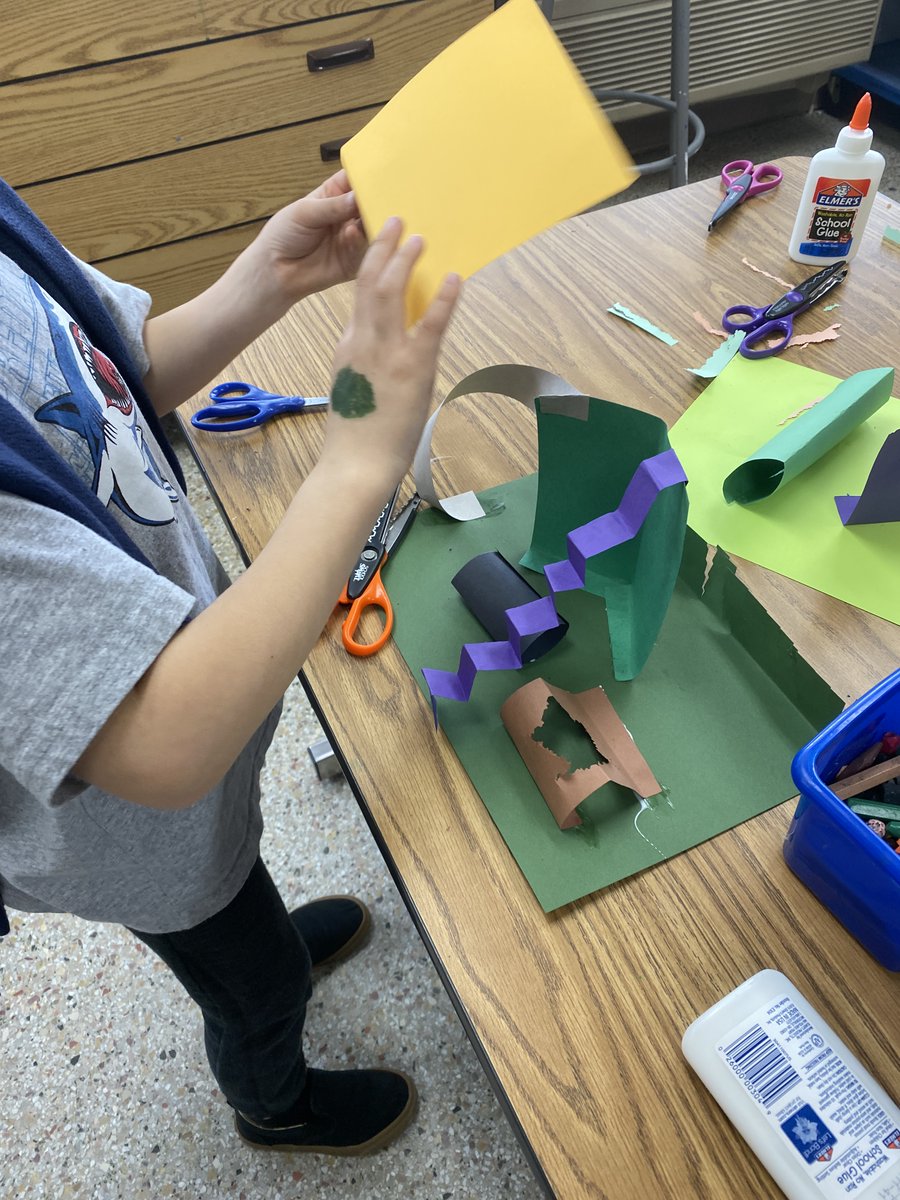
{"points": [[344, 1112], [333, 928]]}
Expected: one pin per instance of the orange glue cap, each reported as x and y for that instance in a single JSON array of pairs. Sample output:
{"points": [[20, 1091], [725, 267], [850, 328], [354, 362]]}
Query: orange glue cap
{"points": [[861, 113]]}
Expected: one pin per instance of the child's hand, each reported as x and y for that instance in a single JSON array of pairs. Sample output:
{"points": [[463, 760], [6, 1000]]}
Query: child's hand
{"points": [[314, 242], [384, 372]]}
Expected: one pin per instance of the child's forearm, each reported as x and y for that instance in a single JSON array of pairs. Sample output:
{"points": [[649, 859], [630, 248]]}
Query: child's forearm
{"points": [[189, 345], [180, 729]]}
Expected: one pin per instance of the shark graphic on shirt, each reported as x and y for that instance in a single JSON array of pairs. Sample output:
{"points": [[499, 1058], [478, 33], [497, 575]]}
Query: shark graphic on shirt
{"points": [[99, 408]]}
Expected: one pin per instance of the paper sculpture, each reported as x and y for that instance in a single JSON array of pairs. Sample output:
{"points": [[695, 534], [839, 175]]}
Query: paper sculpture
{"points": [[489, 587], [653, 476], [880, 499], [718, 711], [809, 437], [515, 380], [796, 531], [586, 462], [563, 788], [497, 139]]}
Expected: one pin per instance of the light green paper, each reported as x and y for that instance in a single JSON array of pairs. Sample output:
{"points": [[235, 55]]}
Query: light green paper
{"points": [[797, 532], [891, 235], [619, 310], [718, 712], [721, 357], [587, 458], [809, 436]]}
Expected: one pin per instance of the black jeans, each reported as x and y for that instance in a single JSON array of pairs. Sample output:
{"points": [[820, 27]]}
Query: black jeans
{"points": [[249, 970]]}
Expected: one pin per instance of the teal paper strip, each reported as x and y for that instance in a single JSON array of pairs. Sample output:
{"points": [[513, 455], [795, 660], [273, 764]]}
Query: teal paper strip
{"points": [[891, 235], [721, 357], [619, 310]]}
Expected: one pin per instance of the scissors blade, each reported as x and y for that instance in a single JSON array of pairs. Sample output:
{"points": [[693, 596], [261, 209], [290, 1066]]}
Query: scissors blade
{"points": [[734, 194], [401, 523], [372, 554]]}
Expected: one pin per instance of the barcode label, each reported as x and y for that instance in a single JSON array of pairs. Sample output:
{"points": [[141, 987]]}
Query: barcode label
{"points": [[764, 1069]]}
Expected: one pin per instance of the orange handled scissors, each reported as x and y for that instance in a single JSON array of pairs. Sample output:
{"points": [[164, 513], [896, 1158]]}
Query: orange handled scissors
{"points": [[364, 587]]}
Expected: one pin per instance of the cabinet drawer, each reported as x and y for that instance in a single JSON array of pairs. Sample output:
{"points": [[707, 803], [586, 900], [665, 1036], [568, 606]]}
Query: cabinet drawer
{"points": [[118, 112], [63, 35], [123, 209]]}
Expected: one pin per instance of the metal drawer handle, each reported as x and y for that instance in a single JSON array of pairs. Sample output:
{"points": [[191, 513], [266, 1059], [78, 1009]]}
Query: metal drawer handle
{"points": [[331, 151], [340, 56]]}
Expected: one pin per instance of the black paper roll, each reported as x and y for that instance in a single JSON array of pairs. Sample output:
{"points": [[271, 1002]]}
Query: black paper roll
{"points": [[489, 585]]}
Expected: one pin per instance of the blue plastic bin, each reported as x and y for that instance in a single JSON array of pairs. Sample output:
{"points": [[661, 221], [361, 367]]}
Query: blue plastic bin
{"points": [[851, 870]]}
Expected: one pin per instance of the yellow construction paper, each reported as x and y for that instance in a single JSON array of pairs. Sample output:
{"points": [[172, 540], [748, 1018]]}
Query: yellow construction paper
{"points": [[497, 139], [797, 531]]}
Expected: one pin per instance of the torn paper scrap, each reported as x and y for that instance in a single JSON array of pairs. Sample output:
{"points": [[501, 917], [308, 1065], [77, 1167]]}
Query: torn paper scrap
{"points": [[619, 310], [803, 409], [810, 436], [704, 324], [760, 271], [891, 235], [651, 477], [880, 499], [720, 358], [807, 339], [523, 713], [495, 140], [515, 380]]}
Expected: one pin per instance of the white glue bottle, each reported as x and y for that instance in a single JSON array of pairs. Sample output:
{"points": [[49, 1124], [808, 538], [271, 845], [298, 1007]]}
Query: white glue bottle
{"points": [[809, 1110], [838, 194]]}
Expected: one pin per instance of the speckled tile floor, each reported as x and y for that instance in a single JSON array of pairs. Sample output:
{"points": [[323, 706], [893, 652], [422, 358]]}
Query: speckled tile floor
{"points": [[106, 1094]]}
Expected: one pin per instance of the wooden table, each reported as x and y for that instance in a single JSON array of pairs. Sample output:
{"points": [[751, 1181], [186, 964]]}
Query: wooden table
{"points": [[577, 1016]]}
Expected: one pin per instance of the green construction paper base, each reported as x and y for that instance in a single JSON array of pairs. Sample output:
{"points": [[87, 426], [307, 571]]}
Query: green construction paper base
{"points": [[717, 721], [797, 531]]}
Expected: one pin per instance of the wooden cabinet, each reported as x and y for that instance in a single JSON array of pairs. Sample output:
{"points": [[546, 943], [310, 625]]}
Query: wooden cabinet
{"points": [[154, 139]]}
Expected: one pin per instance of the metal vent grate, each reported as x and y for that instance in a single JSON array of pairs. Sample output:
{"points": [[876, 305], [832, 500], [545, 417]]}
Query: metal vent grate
{"points": [[737, 46]]}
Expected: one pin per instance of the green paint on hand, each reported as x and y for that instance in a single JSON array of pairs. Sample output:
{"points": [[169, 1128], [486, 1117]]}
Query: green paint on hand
{"points": [[352, 394]]}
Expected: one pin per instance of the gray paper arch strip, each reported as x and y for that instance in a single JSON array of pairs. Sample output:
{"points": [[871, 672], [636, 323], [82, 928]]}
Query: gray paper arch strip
{"points": [[515, 380]]}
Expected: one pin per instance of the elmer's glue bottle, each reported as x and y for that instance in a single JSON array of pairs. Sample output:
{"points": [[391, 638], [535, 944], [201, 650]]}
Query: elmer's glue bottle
{"points": [[838, 194], [807, 1107]]}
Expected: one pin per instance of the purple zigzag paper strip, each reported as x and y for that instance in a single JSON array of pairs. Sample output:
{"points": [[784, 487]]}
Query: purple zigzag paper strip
{"points": [[651, 477]]}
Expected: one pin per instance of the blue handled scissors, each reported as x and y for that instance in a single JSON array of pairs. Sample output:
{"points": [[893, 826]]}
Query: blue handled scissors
{"points": [[764, 323], [238, 405]]}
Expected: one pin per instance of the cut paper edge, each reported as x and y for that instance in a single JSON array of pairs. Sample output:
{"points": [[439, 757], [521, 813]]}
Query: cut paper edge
{"points": [[720, 358], [891, 235], [619, 310], [563, 789], [651, 476]]}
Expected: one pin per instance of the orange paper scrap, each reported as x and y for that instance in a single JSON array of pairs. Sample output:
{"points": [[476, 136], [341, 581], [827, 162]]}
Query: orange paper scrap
{"points": [[497, 139], [523, 713]]}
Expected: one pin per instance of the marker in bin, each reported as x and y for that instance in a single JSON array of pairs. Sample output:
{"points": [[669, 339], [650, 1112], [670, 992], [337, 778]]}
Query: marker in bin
{"points": [[870, 788]]}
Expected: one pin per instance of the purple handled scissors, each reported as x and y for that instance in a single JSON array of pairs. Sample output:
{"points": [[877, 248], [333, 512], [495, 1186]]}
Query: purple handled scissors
{"points": [[242, 406], [742, 179], [763, 323]]}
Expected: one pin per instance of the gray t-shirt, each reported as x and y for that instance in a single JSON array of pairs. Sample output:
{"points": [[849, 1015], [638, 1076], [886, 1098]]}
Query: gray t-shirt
{"points": [[81, 623]]}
